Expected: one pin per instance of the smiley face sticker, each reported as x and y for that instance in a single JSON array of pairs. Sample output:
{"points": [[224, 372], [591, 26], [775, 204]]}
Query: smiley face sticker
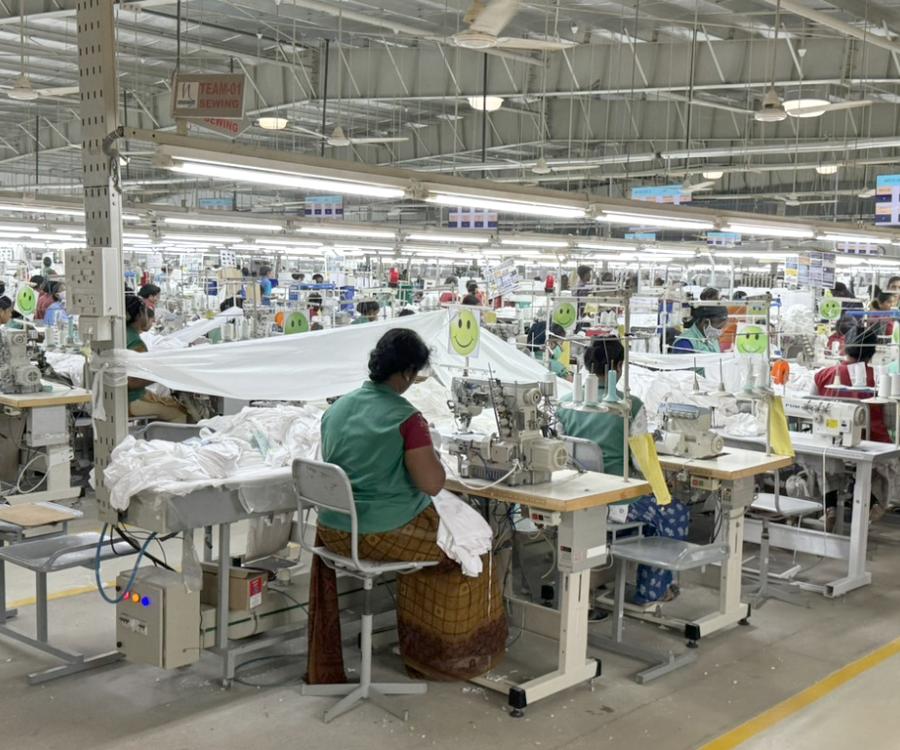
{"points": [[26, 301], [751, 339], [830, 308], [564, 314], [464, 332], [296, 322]]}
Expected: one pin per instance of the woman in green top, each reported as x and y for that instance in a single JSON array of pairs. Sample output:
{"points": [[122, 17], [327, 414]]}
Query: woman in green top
{"points": [[451, 627], [607, 429], [141, 402], [541, 345]]}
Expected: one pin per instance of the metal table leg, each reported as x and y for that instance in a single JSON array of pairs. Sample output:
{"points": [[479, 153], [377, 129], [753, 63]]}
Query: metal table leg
{"points": [[5, 614], [40, 586], [857, 575], [223, 606]]}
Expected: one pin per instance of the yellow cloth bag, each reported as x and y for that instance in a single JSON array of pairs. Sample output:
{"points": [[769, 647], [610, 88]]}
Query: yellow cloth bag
{"points": [[644, 450], [779, 436]]}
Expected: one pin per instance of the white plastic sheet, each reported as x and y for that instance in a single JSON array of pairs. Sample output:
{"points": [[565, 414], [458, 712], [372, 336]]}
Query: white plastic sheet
{"points": [[183, 337], [318, 364]]}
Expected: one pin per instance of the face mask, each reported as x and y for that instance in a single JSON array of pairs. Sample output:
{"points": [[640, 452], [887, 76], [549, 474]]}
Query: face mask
{"points": [[62, 296], [712, 332]]}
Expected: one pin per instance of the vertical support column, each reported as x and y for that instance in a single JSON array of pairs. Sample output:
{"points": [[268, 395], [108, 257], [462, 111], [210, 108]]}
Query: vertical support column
{"points": [[98, 89]]}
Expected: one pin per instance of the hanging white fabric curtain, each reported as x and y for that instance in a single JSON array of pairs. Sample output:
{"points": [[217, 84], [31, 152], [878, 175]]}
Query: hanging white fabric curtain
{"points": [[316, 365]]}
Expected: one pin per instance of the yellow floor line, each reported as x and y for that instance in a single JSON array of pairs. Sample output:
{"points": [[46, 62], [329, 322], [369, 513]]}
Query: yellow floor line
{"points": [[65, 594], [801, 700]]}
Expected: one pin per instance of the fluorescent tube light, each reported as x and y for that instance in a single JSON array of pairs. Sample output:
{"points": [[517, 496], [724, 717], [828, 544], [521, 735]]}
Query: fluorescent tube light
{"points": [[204, 239], [461, 238], [527, 208], [252, 226], [41, 210], [535, 243], [603, 246], [649, 220], [375, 234], [282, 179], [769, 230], [861, 238], [23, 228]]}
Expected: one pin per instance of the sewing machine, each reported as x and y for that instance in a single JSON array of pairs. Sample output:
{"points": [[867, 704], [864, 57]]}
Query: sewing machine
{"points": [[687, 432], [17, 372], [518, 453], [839, 422]]}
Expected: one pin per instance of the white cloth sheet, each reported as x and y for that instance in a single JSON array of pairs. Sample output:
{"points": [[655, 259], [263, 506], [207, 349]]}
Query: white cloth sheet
{"points": [[183, 337], [319, 364], [463, 534]]}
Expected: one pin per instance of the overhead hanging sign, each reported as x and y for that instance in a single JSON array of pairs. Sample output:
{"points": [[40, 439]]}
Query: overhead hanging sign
{"points": [[502, 278], [887, 199], [471, 218], [208, 95], [675, 194], [324, 206], [224, 125], [645, 236], [723, 239]]}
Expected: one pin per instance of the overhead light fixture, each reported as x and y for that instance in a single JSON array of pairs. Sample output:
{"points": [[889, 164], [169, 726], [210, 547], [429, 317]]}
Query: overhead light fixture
{"points": [[272, 178], [712, 174], [375, 234], [21, 228], [485, 103], [541, 167], [535, 243], [461, 238], [860, 238], [603, 246], [272, 123], [668, 250], [203, 239], [826, 169], [769, 230], [527, 208], [771, 108], [291, 243], [805, 108], [25, 209], [651, 220], [252, 226]]}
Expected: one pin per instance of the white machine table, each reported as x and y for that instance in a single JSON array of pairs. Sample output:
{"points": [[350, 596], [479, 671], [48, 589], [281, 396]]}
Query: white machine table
{"points": [[581, 501], [46, 429], [852, 548], [734, 472]]}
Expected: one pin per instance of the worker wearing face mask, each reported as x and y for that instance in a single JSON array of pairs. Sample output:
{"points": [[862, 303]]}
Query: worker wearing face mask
{"points": [[703, 330], [540, 345]]}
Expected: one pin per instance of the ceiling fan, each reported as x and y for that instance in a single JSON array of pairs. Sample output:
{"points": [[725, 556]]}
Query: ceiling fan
{"points": [[339, 138], [22, 89], [689, 186], [487, 20]]}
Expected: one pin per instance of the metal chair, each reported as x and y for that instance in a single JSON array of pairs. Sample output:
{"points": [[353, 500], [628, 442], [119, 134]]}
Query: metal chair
{"points": [[323, 486]]}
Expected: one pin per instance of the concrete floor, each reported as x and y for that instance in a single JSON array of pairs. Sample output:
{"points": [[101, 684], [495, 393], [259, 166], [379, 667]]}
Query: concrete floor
{"points": [[738, 674]]}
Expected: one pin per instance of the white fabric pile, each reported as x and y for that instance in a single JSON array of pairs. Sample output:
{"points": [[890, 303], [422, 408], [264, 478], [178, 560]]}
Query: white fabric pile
{"points": [[798, 320], [68, 364], [251, 440], [463, 534]]}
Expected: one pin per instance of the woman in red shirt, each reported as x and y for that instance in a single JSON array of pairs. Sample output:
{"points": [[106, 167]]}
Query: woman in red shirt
{"points": [[860, 348]]}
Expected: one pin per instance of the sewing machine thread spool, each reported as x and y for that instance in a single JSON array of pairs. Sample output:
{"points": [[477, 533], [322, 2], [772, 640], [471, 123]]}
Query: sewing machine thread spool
{"points": [[612, 395], [592, 389], [836, 382], [577, 387], [884, 383]]}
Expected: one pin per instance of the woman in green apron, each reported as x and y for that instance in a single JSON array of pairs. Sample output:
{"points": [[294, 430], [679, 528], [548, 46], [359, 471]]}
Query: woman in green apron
{"points": [[703, 330]]}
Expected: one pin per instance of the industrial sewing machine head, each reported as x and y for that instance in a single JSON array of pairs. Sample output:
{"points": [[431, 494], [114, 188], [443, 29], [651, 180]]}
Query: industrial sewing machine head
{"points": [[17, 372], [518, 453], [839, 422], [686, 431]]}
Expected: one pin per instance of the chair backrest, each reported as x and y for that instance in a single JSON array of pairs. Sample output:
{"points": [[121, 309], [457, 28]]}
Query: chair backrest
{"points": [[326, 486]]}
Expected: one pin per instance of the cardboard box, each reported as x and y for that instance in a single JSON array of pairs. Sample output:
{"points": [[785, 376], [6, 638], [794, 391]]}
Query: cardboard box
{"points": [[245, 587]]}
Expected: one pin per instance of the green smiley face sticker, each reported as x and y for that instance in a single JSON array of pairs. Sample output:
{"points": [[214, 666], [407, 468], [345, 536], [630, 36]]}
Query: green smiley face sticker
{"points": [[296, 323], [752, 340], [564, 314], [895, 336], [26, 300], [464, 333], [830, 308]]}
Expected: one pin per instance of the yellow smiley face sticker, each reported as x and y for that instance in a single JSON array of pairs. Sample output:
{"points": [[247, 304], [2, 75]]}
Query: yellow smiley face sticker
{"points": [[752, 340], [830, 308], [564, 314], [464, 333], [26, 300]]}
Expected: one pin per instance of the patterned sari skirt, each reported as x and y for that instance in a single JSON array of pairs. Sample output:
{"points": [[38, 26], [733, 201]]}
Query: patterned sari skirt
{"points": [[451, 626]]}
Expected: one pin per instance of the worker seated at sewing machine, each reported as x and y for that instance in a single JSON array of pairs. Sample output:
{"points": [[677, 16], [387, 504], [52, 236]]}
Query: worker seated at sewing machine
{"points": [[451, 627], [606, 428], [703, 330], [141, 402], [855, 378], [540, 346]]}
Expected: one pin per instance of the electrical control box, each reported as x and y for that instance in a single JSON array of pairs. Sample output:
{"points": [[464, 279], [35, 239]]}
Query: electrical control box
{"points": [[158, 619], [91, 294], [581, 541]]}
